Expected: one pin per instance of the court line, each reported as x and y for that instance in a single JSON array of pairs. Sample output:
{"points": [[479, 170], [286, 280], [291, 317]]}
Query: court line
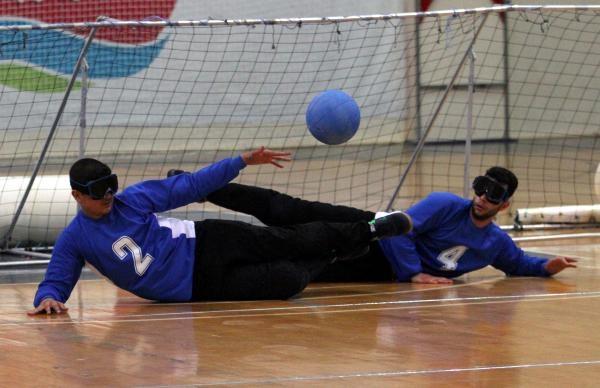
{"points": [[556, 237], [431, 287], [12, 342], [545, 252], [360, 304], [312, 285], [149, 303], [396, 302], [37, 283], [304, 306], [386, 374], [276, 311]]}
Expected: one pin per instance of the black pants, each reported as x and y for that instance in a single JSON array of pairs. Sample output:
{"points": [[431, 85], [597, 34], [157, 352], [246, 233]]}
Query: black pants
{"points": [[236, 260]]}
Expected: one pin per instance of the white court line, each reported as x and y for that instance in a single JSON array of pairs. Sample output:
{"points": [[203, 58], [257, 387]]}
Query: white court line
{"points": [[579, 258], [386, 374], [149, 303], [432, 287], [12, 285], [320, 306], [544, 251], [556, 237], [384, 303], [9, 341], [275, 311]]}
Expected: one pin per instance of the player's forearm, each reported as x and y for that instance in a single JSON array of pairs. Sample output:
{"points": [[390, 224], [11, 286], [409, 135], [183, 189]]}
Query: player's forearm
{"points": [[215, 176]]}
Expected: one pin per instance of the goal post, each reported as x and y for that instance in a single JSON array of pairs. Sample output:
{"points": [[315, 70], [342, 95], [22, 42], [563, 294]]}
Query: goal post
{"points": [[192, 92]]}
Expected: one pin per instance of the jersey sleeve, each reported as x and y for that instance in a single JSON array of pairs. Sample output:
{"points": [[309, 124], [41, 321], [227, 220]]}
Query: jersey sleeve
{"points": [[63, 271], [157, 196], [513, 261], [426, 215], [429, 213], [405, 259]]}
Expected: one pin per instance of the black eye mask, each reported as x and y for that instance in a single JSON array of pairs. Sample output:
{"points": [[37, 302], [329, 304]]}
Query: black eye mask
{"points": [[494, 191], [98, 188]]}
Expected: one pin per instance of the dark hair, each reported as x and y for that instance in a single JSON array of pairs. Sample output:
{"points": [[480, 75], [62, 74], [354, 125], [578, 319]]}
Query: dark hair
{"points": [[86, 170], [504, 176]]}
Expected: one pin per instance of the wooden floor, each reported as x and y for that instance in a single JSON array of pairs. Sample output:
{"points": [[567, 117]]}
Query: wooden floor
{"points": [[486, 331]]}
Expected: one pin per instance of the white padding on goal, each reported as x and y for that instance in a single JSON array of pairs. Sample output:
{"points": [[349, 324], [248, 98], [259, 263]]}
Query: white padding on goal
{"points": [[48, 209], [580, 214]]}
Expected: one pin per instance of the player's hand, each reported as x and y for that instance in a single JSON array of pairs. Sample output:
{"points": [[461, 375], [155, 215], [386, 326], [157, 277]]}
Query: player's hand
{"points": [[554, 266], [266, 156], [424, 278], [49, 306]]}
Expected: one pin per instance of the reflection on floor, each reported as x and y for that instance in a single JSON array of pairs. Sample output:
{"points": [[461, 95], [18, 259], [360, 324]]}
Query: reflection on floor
{"points": [[484, 330]]}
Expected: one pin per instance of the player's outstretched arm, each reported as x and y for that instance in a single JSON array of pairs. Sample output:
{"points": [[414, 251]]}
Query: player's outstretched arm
{"points": [[423, 278], [557, 264], [48, 306], [266, 156]]}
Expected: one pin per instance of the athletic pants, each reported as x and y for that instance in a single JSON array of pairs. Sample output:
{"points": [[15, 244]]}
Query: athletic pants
{"points": [[239, 261], [236, 260]]}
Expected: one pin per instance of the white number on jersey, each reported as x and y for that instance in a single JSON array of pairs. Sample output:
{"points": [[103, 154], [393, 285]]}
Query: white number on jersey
{"points": [[140, 263], [449, 258]]}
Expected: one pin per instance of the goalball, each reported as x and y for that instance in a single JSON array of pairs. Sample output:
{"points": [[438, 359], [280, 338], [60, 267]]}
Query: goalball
{"points": [[333, 117]]}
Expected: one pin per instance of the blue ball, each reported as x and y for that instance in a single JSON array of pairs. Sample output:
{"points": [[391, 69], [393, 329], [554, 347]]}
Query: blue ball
{"points": [[333, 117]]}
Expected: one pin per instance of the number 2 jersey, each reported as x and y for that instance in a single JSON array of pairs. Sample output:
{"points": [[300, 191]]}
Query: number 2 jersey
{"points": [[445, 242], [139, 251]]}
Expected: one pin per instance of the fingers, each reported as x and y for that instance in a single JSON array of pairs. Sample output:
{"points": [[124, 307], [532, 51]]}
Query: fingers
{"points": [[274, 160], [57, 307], [274, 157], [278, 154], [48, 306], [439, 280], [568, 262], [38, 310], [264, 156], [282, 158], [428, 279], [557, 264], [436, 281]]}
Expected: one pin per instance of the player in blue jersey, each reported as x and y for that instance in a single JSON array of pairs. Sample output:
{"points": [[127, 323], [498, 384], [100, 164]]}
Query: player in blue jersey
{"points": [[451, 235], [165, 259]]}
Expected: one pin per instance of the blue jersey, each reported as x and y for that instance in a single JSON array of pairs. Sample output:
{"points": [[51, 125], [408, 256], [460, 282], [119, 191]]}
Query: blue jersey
{"points": [[139, 251], [445, 242]]}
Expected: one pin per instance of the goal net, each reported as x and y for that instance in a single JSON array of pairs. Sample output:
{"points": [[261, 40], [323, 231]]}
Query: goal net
{"points": [[152, 95]]}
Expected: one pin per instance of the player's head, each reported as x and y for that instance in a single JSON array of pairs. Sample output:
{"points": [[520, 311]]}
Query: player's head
{"points": [[493, 192], [505, 177], [93, 185]]}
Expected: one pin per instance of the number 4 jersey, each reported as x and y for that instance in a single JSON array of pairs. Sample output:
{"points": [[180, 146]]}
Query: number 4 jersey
{"points": [[445, 242], [139, 251]]}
